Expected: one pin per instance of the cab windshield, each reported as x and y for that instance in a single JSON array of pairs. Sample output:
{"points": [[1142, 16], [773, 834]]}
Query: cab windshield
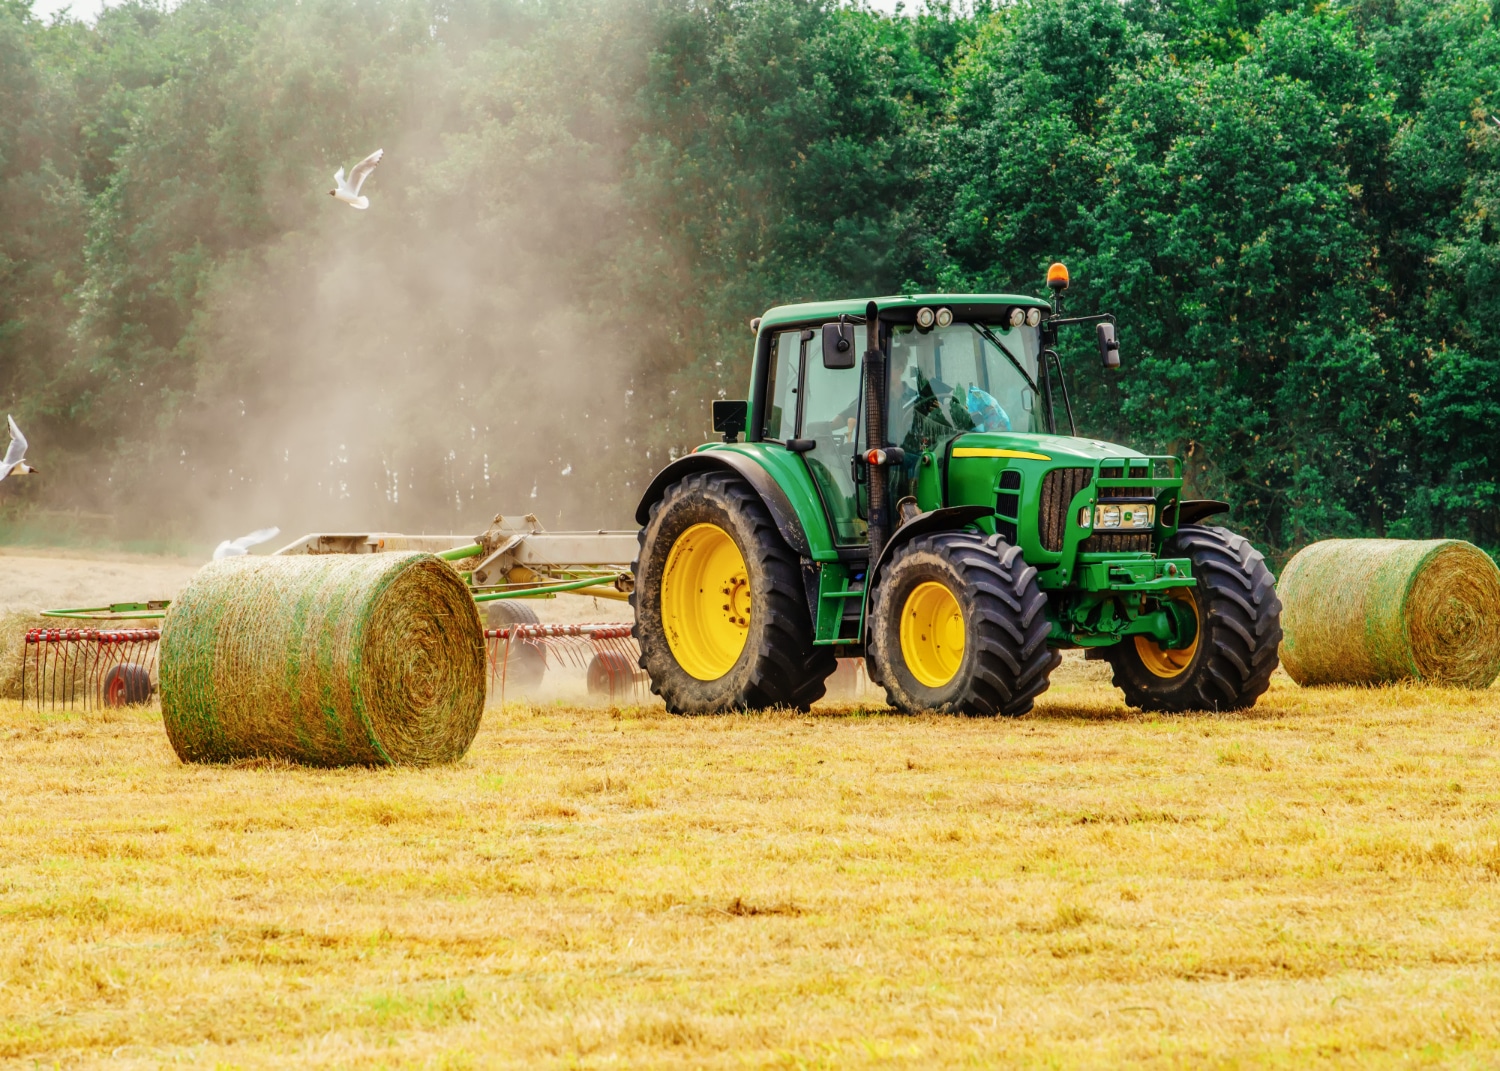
{"points": [[964, 377]]}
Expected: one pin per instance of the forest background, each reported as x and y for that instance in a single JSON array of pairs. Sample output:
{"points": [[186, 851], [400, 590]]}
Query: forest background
{"points": [[1291, 208]]}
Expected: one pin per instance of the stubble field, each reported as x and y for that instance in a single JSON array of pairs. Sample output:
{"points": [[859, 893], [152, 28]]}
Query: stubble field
{"points": [[1314, 882]]}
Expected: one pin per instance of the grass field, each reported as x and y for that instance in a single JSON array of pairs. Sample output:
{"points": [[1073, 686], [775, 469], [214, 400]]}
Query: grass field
{"points": [[1314, 882]]}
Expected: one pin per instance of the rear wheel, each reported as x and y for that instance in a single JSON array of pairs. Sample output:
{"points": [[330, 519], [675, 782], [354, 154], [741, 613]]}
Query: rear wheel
{"points": [[959, 625], [719, 611], [1230, 661]]}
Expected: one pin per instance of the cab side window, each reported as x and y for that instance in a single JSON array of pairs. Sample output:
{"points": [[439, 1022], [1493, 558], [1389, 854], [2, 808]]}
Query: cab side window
{"points": [[782, 385]]}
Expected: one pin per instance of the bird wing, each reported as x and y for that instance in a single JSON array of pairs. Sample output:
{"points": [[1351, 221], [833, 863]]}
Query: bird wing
{"points": [[338, 179], [362, 170], [256, 538], [17, 448], [223, 550]]}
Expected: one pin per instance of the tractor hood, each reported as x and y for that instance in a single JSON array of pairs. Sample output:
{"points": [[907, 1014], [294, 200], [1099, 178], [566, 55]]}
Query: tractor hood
{"points": [[1040, 447]]}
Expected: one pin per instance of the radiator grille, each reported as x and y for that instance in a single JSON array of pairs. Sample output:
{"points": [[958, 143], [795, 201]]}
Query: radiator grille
{"points": [[1058, 488]]}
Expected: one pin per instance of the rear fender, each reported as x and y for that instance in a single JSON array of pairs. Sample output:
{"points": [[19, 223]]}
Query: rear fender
{"points": [[787, 521]]}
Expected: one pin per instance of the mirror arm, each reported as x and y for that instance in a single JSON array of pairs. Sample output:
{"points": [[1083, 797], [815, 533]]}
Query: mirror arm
{"points": [[1055, 321], [1046, 392], [1062, 379]]}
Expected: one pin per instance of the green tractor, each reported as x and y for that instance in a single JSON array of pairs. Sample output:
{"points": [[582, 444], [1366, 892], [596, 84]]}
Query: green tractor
{"points": [[916, 506]]}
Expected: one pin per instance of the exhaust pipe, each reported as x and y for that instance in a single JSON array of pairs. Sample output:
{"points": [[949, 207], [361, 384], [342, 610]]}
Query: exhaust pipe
{"points": [[874, 373]]}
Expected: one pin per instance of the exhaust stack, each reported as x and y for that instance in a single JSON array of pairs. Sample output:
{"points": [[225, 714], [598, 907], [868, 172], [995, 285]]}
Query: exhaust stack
{"points": [[874, 375]]}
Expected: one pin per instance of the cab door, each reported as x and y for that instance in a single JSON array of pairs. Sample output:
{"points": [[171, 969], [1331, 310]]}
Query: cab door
{"points": [[829, 415]]}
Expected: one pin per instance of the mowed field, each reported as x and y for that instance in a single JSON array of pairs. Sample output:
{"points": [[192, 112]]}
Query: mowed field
{"points": [[1314, 882]]}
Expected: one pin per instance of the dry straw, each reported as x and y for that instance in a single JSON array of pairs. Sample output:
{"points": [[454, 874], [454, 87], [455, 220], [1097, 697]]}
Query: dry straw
{"points": [[332, 661], [1369, 611]]}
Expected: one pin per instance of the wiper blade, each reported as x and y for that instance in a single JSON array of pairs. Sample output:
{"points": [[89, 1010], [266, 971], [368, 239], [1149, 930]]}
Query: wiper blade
{"points": [[990, 337]]}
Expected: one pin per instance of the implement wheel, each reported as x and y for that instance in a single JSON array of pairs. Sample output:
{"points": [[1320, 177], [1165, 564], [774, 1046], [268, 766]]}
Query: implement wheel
{"points": [[525, 660], [719, 609], [126, 685], [959, 625], [1230, 661]]}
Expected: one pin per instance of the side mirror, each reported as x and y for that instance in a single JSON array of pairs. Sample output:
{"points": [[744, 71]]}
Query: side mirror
{"points": [[730, 418], [1109, 349], [838, 345]]}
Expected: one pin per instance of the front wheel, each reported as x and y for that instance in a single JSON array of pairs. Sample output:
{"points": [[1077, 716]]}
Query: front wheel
{"points": [[959, 625], [1230, 661], [719, 609]]}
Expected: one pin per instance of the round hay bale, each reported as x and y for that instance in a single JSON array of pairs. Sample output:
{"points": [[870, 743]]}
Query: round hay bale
{"points": [[337, 660], [1370, 611]]}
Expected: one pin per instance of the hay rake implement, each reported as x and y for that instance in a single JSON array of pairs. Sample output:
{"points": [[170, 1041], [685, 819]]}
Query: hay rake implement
{"points": [[514, 561], [88, 668], [606, 653]]}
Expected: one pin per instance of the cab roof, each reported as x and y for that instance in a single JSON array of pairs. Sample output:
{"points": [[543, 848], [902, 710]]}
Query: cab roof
{"points": [[962, 304]]}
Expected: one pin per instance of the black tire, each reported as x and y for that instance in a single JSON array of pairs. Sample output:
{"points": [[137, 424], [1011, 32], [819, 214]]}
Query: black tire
{"points": [[502, 613], [1006, 662], [525, 659], [126, 685], [1239, 630], [778, 666]]}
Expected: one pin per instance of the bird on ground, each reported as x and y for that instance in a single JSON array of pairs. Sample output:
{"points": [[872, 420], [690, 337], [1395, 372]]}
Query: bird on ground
{"points": [[233, 548], [15, 454], [347, 190]]}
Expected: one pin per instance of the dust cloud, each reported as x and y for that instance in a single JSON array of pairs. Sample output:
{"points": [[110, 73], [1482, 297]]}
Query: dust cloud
{"points": [[465, 347]]}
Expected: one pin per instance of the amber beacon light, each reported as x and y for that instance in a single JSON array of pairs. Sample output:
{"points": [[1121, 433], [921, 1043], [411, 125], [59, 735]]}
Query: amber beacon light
{"points": [[1057, 276]]}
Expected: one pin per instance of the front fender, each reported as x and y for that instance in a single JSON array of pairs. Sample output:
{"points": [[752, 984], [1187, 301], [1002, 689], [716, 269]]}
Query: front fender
{"points": [[938, 520]]}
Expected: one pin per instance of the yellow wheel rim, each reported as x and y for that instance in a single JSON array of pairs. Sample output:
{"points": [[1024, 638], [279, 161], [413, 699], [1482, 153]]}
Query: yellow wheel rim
{"points": [[705, 601], [1170, 662], [932, 634]]}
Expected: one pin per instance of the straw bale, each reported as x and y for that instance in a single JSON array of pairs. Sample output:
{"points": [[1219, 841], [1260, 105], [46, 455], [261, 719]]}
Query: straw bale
{"points": [[327, 660], [1370, 611]]}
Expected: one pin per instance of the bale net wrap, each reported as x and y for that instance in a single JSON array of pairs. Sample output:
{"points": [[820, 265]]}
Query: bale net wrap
{"points": [[1370, 611], [326, 660]]}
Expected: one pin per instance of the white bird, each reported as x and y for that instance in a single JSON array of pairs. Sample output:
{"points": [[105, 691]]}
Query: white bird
{"points": [[233, 548], [348, 190], [15, 453]]}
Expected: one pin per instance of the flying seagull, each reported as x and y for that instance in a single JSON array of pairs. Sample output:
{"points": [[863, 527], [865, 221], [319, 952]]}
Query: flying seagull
{"points": [[233, 548], [15, 453], [347, 190]]}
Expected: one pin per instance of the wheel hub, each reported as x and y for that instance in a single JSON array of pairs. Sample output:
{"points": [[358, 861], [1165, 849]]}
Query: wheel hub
{"points": [[1169, 662], [705, 601], [932, 634]]}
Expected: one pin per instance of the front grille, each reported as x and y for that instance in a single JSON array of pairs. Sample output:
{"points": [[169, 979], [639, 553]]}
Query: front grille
{"points": [[1137, 472], [1058, 488], [1116, 543]]}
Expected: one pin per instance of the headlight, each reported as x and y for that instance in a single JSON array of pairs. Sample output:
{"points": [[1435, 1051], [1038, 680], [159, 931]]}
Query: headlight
{"points": [[1033, 317], [925, 317], [944, 317], [1124, 516], [1017, 317]]}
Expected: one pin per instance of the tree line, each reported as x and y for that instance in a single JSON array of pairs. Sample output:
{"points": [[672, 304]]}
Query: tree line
{"points": [[1290, 207]]}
